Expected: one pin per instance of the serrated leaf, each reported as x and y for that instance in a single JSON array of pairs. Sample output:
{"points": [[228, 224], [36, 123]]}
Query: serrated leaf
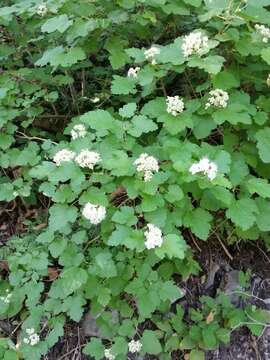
{"points": [[263, 144], [199, 221], [58, 23], [172, 246], [123, 85], [61, 216], [94, 348], [243, 213], [259, 186], [151, 344], [141, 124], [128, 110]]}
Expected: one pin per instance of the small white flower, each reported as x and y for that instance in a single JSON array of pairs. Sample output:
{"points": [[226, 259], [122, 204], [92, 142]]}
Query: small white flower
{"points": [[88, 159], [195, 43], [7, 298], [151, 53], [64, 155], [153, 237], [205, 166], [32, 338], [133, 72], [78, 131], [268, 80], [95, 100], [94, 213], [146, 164], [217, 98], [264, 32], [175, 105], [42, 10], [108, 354], [134, 346]]}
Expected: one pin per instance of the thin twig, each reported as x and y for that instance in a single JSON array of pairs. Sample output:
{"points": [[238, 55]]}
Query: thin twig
{"points": [[224, 247], [34, 137], [194, 241]]}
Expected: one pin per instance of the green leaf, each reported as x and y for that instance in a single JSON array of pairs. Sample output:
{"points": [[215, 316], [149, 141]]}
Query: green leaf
{"points": [[94, 348], [125, 216], [196, 355], [11, 355], [259, 186], [128, 110], [100, 121], [58, 23], [199, 222], [105, 264], [73, 278], [150, 342], [123, 85], [169, 291], [61, 216], [211, 64], [173, 246], [263, 144], [141, 124], [243, 213]]}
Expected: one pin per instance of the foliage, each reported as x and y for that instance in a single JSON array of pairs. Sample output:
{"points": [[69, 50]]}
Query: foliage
{"points": [[65, 63]]}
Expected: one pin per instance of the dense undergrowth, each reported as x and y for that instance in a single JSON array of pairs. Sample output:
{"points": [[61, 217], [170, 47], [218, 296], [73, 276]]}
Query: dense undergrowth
{"points": [[131, 127]]}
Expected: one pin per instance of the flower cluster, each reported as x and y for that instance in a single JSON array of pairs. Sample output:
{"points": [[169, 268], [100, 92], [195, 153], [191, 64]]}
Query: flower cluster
{"points": [[94, 213], [147, 164], [217, 98], [63, 156], [151, 53], [7, 297], [175, 105], [205, 166], [108, 354], [133, 72], [134, 346], [88, 159], [153, 237], [42, 10], [78, 131], [264, 32], [195, 43], [32, 338]]}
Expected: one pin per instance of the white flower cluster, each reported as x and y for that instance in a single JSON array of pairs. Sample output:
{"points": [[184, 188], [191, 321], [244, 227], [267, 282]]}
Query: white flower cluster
{"points": [[32, 338], [264, 32], [194, 43], [217, 98], [7, 297], [42, 10], [108, 354], [133, 72], [151, 53], [134, 346], [63, 156], [94, 213], [205, 166], [88, 159], [153, 237], [175, 105], [146, 164], [78, 131]]}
